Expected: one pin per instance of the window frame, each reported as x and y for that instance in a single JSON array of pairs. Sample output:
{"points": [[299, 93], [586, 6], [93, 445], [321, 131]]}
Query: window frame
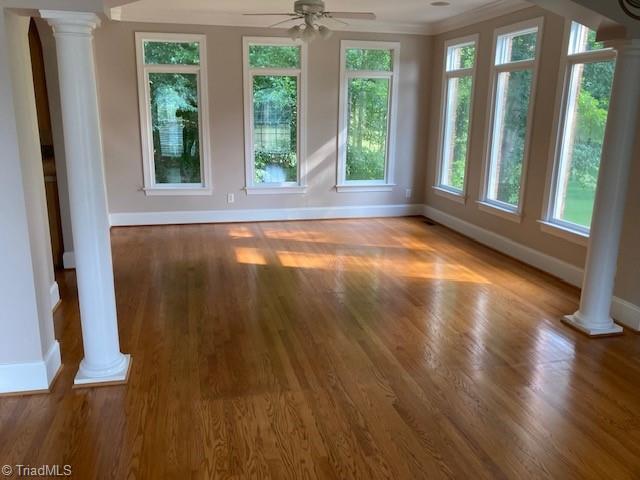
{"points": [[496, 207], [300, 186], [557, 227], [150, 187], [446, 191], [387, 184]]}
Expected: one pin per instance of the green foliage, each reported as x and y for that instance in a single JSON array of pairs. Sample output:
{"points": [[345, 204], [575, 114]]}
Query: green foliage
{"points": [[287, 161], [523, 47], [516, 111], [369, 59], [467, 56], [593, 107], [174, 100], [368, 125], [275, 102], [171, 53], [270, 56], [461, 87]]}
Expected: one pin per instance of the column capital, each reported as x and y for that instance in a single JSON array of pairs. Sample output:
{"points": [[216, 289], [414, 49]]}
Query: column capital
{"points": [[71, 23]]}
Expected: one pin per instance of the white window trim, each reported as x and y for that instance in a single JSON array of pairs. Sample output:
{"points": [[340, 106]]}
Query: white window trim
{"points": [[451, 194], [502, 209], [387, 184], [150, 187], [300, 186], [439, 188], [569, 231]]}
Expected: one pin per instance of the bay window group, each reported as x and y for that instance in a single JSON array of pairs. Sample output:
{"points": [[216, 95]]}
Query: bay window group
{"points": [[586, 79]]}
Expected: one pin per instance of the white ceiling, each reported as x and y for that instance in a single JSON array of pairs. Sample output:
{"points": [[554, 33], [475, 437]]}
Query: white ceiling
{"points": [[394, 16]]}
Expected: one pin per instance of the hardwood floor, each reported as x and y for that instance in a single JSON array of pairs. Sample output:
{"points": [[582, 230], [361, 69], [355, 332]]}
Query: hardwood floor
{"points": [[335, 349]]}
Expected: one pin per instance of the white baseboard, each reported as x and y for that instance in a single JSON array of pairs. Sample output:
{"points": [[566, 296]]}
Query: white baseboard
{"points": [[261, 215], [623, 312], [68, 260], [54, 295], [563, 270], [33, 376], [626, 314]]}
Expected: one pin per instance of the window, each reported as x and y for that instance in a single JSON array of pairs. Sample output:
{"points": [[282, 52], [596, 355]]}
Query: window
{"points": [[274, 86], [172, 79], [514, 75], [369, 83], [459, 69], [587, 90]]}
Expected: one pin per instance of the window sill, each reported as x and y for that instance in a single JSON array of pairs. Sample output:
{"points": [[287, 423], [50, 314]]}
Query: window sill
{"points": [[452, 195], [561, 231], [176, 191], [511, 215], [277, 190], [373, 187]]}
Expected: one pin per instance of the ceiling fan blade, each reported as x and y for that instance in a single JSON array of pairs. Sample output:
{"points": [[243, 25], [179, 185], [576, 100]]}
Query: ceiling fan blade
{"points": [[270, 14], [285, 21], [336, 21], [352, 15]]}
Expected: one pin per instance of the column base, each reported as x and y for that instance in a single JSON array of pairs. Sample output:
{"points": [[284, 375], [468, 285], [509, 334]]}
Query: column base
{"points": [[119, 376], [576, 322]]}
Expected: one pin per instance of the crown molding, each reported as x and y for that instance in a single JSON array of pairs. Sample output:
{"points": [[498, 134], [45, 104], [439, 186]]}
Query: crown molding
{"points": [[201, 17], [485, 12], [195, 17]]}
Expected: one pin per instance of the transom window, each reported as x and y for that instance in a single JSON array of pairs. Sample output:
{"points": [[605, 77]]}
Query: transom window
{"points": [[459, 69], [173, 113], [274, 77], [369, 82], [514, 74], [585, 105]]}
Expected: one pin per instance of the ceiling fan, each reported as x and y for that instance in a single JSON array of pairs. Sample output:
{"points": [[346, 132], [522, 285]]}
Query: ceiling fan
{"points": [[311, 12]]}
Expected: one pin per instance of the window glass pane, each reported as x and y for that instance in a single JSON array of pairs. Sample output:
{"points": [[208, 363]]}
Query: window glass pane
{"points": [[369, 59], [275, 129], [171, 53], [585, 123], [461, 56], [516, 47], [509, 136], [456, 132], [175, 129], [273, 56], [583, 39], [367, 128]]}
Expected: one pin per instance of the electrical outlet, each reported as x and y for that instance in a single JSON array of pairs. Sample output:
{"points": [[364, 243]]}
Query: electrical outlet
{"points": [[231, 198], [408, 193]]}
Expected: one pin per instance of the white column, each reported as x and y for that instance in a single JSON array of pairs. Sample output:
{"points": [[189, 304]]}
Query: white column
{"points": [[594, 316], [103, 362]]}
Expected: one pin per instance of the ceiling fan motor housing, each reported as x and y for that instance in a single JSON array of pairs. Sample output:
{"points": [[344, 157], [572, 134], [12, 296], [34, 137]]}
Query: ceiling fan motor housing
{"points": [[306, 7]]}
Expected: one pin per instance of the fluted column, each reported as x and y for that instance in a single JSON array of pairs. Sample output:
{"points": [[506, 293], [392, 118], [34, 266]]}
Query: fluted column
{"points": [[594, 316], [103, 362]]}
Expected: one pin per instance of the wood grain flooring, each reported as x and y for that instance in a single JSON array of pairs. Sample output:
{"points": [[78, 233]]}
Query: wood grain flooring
{"points": [[381, 348]]}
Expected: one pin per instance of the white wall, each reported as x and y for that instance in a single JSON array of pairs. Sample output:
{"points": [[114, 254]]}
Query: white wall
{"points": [[29, 353], [116, 64]]}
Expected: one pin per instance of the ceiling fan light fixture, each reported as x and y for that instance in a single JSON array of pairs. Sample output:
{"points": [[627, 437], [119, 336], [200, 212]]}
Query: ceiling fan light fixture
{"points": [[295, 32], [324, 32], [309, 34]]}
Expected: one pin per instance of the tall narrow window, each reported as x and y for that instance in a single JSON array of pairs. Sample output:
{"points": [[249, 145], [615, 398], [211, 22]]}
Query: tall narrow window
{"points": [[459, 68], [173, 113], [514, 74], [369, 83], [274, 76], [585, 105]]}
